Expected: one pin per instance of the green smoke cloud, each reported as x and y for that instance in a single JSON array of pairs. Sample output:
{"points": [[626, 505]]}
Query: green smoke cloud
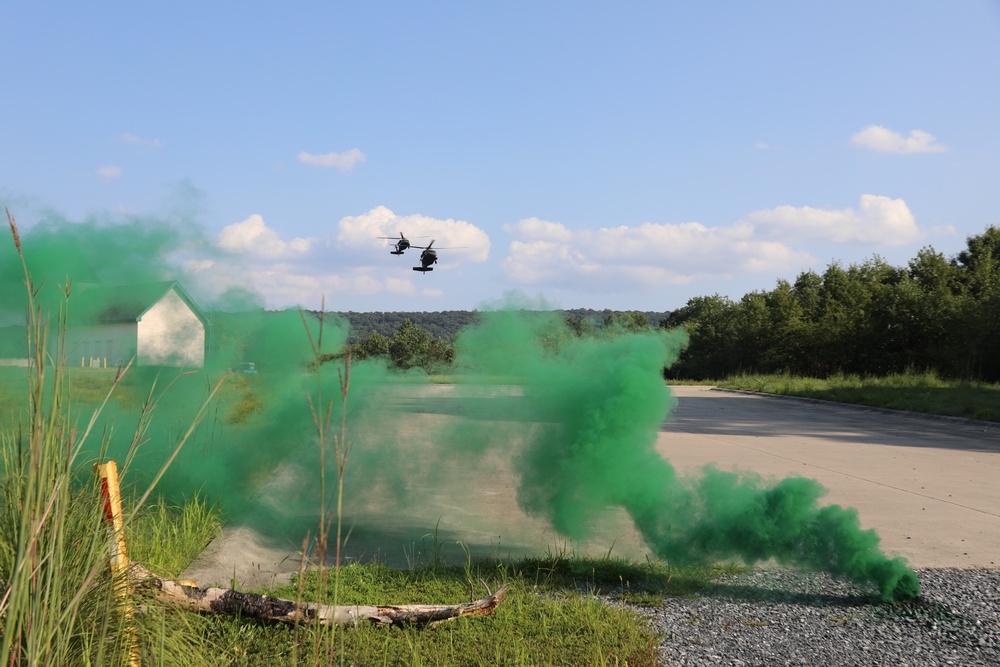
{"points": [[573, 420], [599, 403]]}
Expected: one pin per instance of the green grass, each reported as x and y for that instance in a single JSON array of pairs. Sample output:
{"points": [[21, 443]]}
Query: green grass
{"points": [[916, 392], [559, 610], [555, 613], [166, 538]]}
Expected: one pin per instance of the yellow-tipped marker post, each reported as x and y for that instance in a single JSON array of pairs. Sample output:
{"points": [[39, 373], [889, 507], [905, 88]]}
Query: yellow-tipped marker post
{"points": [[111, 493]]}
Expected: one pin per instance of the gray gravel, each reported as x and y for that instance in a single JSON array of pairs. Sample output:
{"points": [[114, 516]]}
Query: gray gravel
{"points": [[778, 617]]}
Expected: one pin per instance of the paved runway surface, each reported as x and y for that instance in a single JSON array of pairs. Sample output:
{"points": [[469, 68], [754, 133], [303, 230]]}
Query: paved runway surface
{"points": [[930, 487]]}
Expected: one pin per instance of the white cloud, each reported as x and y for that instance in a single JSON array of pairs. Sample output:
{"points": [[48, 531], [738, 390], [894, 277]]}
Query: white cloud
{"points": [[286, 285], [348, 266], [550, 255], [253, 236], [644, 256], [541, 230], [130, 138], [878, 220], [110, 173], [464, 241], [884, 140], [342, 162]]}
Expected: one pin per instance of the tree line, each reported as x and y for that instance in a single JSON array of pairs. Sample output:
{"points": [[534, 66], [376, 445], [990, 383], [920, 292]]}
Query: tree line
{"points": [[410, 345], [938, 314], [446, 324]]}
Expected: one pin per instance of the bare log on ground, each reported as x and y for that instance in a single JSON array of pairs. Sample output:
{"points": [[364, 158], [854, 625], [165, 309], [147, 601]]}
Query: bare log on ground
{"points": [[228, 601]]}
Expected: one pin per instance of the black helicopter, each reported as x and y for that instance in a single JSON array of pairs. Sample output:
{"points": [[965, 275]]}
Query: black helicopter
{"points": [[402, 243], [429, 256]]}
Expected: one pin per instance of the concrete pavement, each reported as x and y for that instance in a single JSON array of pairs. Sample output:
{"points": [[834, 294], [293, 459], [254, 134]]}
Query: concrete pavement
{"points": [[929, 486]]}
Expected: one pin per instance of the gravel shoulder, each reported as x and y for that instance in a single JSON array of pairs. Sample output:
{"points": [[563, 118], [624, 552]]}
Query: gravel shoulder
{"points": [[781, 617]]}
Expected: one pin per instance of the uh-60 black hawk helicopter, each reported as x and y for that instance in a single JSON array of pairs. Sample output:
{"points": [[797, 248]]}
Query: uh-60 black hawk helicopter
{"points": [[429, 256], [402, 243]]}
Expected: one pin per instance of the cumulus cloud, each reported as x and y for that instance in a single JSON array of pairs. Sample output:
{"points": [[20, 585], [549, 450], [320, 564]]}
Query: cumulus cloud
{"points": [[342, 162], [350, 264], [109, 173], [252, 236], [643, 256], [883, 140], [878, 220], [130, 138], [768, 242], [464, 241]]}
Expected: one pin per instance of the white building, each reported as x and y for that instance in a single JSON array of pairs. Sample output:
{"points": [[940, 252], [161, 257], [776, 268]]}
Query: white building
{"points": [[157, 323]]}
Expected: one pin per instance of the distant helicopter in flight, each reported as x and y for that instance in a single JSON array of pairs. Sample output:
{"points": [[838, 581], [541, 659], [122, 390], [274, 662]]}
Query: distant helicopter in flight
{"points": [[429, 256], [402, 243]]}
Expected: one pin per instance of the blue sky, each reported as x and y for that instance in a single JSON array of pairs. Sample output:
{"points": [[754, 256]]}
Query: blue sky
{"points": [[605, 155]]}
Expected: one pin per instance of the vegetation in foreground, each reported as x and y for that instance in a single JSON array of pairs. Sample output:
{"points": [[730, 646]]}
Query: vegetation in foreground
{"points": [[558, 611], [915, 392]]}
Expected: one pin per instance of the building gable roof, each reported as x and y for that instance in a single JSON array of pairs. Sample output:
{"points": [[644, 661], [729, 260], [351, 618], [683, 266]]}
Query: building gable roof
{"points": [[128, 303]]}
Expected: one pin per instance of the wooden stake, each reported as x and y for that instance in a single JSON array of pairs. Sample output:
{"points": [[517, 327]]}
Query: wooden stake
{"points": [[111, 492]]}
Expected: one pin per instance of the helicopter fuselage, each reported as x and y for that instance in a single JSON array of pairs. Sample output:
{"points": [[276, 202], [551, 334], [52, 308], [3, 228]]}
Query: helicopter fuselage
{"points": [[427, 257]]}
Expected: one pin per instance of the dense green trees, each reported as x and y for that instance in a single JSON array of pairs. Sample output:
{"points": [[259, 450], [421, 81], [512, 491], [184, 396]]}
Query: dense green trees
{"points": [[936, 314], [409, 347], [438, 324], [446, 324]]}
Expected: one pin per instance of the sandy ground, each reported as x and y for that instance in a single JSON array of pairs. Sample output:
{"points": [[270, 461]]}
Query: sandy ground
{"points": [[930, 487]]}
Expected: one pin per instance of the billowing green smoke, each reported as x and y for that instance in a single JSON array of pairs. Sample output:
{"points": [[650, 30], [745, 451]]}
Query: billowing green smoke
{"points": [[98, 250], [251, 426], [572, 420], [600, 403]]}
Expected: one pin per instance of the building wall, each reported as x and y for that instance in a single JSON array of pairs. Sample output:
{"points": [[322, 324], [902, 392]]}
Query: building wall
{"points": [[99, 345], [170, 334]]}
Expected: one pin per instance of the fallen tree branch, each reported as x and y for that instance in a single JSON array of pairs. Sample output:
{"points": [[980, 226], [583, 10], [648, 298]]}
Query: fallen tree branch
{"points": [[228, 601]]}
